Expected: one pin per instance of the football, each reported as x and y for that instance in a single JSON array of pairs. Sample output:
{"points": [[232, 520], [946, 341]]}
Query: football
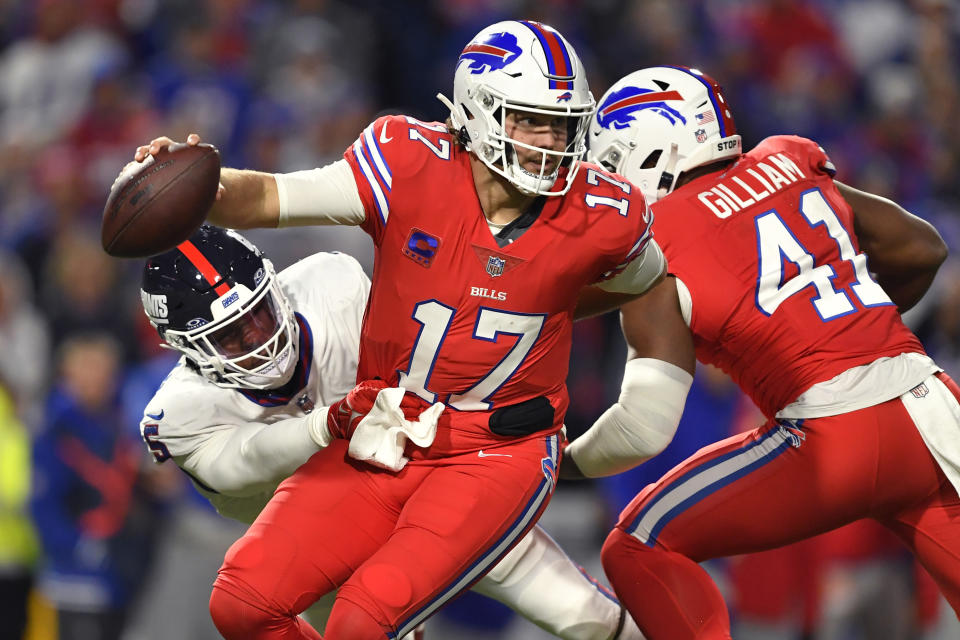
{"points": [[156, 204]]}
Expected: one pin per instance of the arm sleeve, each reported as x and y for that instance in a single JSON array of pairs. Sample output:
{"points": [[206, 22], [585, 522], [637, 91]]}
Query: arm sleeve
{"points": [[640, 425], [324, 196], [241, 460], [640, 273]]}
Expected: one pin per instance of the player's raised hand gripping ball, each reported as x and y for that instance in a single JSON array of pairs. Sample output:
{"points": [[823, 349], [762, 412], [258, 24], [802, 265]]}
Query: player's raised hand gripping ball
{"points": [[156, 204]]}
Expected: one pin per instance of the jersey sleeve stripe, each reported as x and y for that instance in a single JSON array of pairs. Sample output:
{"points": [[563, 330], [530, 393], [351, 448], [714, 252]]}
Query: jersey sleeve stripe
{"points": [[383, 208], [632, 255], [637, 248], [727, 126], [559, 68], [378, 162], [439, 128]]}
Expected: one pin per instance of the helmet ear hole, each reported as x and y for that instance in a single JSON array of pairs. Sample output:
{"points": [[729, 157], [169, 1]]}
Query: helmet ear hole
{"points": [[606, 164], [651, 160]]}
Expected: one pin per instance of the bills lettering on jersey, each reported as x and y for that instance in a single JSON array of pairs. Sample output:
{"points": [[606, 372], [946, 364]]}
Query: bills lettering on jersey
{"points": [[744, 189], [493, 294]]}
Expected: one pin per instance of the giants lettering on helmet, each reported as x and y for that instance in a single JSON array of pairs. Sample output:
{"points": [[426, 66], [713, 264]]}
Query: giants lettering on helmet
{"points": [[155, 306]]}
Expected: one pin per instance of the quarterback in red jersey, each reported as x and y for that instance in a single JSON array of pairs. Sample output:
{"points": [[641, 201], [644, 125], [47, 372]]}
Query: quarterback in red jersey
{"points": [[768, 281], [485, 231]]}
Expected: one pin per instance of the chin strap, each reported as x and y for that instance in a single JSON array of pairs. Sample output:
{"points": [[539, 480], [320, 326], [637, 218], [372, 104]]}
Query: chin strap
{"points": [[457, 115], [667, 178], [217, 363]]}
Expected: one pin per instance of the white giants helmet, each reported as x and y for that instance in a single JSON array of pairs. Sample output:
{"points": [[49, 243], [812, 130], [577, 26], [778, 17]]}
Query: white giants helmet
{"points": [[658, 122], [528, 67]]}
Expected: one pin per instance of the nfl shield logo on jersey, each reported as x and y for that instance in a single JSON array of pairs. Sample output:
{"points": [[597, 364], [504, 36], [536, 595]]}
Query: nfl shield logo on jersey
{"points": [[920, 391], [305, 403], [495, 266]]}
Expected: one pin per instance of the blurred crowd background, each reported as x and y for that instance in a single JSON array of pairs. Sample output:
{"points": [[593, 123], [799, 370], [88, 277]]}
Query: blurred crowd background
{"points": [[95, 536]]}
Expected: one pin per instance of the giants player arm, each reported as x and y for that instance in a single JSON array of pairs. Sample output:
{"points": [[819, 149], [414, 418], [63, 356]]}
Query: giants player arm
{"points": [[238, 459], [246, 459], [904, 251], [656, 380]]}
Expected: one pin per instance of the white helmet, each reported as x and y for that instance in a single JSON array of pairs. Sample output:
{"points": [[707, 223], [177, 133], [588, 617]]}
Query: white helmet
{"points": [[520, 66], [658, 122]]}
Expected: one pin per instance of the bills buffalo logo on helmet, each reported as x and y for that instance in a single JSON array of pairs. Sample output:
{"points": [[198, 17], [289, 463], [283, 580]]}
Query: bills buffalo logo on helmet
{"points": [[496, 52], [565, 97], [615, 112]]}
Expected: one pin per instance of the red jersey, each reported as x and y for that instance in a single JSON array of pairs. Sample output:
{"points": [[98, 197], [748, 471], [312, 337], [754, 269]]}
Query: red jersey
{"points": [[452, 316], [782, 297]]}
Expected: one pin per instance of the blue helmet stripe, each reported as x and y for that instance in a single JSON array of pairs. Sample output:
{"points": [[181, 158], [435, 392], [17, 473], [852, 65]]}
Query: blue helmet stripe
{"points": [[551, 43], [711, 93]]}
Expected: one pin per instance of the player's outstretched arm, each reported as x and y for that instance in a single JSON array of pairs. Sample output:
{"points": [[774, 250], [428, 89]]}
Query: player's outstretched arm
{"points": [[656, 380], [250, 199], [246, 199], [904, 251], [246, 459], [541, 583]]}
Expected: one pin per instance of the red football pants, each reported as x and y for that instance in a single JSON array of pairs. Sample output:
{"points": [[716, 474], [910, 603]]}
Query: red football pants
{"points": [[400, 544], [775, 485]]}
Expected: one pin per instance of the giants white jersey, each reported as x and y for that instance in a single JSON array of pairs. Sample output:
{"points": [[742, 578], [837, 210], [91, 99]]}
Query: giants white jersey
{"points": [[213, 433]]}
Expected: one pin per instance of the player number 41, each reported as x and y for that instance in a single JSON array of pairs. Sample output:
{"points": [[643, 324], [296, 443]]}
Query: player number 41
{"points": [[775, 242]]}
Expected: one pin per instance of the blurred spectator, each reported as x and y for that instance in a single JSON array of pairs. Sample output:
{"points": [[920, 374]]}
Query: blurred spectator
{"points": [[941, 328], [24, 339], [81, 293], [194, 538], [96, 536], [118, 118], [199, 88], [784, 32], [18, 544], [867, 589], [45, 78]]}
